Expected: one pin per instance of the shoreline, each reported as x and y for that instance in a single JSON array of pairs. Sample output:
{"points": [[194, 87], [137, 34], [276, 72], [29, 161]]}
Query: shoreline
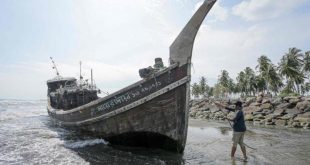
{"points": [[269, 144], [197, 123], [288, 112]]}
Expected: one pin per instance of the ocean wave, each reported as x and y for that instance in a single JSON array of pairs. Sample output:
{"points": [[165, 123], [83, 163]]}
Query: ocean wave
{"points": [[84, 143], [15, 102]]}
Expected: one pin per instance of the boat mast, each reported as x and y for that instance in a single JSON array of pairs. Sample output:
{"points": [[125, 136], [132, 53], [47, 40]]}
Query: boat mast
{"points": [[54, 66], [181, 48]]}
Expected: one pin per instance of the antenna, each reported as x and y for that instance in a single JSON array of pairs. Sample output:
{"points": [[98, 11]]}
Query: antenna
{"points": [[54, 66]]}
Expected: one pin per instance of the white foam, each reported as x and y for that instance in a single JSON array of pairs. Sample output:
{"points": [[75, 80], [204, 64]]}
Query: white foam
{"points": [[84, 143]]}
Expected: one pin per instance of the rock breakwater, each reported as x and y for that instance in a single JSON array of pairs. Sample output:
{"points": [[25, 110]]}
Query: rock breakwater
{"points": [[287, 112]]}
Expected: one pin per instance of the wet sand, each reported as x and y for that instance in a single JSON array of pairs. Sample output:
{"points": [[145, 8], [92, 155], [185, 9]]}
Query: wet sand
{"points": [[211, 141]]}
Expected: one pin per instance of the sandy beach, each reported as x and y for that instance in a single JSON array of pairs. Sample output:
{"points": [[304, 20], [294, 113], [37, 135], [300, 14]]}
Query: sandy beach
{"points": [[211, 141]]}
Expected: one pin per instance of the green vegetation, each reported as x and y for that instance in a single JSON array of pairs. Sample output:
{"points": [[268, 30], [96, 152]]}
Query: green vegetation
{"points": [[290, 77]]}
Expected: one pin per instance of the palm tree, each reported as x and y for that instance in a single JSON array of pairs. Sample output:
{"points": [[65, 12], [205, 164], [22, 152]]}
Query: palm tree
{"points": [[204, 87], [232, 86], [211, 92], [241, 82], [305, 88], [306, 67], [250, 84], [264, 66], [260, 84], [290, 67], [247, 82], [195, 90], [201, 89], [224, 82], [218, 91], [274, 79]]}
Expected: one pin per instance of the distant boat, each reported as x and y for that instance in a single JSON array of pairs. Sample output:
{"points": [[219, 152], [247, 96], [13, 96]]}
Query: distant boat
{"points": [[152, 112]]}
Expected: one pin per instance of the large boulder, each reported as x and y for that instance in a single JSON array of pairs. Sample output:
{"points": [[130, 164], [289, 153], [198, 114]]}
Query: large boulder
{"points": [[201, 114], [281, 122], [249, 100], [290, 113], [306, 98], [296, 124], [256, 113], [271, 116], [284, 106], [293, 111], [306, 126], [279, 111], [303, 106], [287, 117], [267, 111], [214, 109], [255, 104], [288, 98], [248, 117], [266, 101], [219, 115], [194, 103], [269, 123], [258, 122], [192, 114], [202, 104], [277, 101], [266, 106], [294, 101], [231, 106], [303, 118], [259, 99], [259, 116], [251, 109]]}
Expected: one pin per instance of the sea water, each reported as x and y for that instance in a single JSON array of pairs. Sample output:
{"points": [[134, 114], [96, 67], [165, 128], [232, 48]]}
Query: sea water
{"points": [[27, 136]]}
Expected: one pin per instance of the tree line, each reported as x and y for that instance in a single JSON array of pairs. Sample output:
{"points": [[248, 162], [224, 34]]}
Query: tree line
{"points": [[289, 77]]}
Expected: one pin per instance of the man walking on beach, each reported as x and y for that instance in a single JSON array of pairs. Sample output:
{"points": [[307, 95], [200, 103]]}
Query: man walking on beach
{"points": [[239, 128]]}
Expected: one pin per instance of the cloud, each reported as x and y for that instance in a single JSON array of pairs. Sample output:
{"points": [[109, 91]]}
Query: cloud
{"points": [[117, 38], [121, 28], [233, 50], [252, 10]]}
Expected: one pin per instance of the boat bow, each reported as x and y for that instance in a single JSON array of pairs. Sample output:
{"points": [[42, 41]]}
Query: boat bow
{"points": [[181, 48]]}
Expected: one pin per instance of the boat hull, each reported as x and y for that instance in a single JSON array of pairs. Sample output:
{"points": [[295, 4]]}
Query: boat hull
{"points": [[156, 118]]}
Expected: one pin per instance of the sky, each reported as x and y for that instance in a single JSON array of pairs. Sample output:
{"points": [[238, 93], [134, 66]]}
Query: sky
{"points": [[117, 38]]}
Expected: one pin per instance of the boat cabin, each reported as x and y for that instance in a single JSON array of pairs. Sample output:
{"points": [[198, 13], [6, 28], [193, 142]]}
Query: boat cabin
{"points": [[65, 93], [58, 82]]}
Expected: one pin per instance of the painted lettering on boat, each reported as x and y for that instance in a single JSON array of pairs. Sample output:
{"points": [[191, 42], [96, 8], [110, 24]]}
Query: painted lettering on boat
{"points": [[128, 96]]}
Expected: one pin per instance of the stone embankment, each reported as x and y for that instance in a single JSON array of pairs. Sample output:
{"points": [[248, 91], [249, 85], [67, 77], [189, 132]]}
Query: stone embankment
{"points": [[287, 111]]}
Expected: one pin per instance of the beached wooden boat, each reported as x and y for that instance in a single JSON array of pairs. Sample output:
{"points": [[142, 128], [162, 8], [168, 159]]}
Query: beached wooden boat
{"points": [[152, 112]]}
